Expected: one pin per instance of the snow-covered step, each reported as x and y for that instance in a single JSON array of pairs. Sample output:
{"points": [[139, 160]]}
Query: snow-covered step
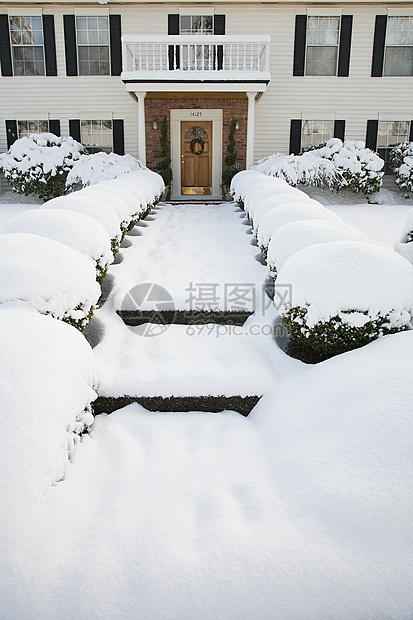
{"points": [[183, 317], [178, 404]]}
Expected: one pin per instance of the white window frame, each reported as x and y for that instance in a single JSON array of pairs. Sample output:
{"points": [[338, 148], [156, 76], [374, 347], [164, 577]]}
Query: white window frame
{"points": [[316, 45], [88, 45], [21, 133], [325, 135], [23, 45], [384, 149], [401, 46], [97, 145]]}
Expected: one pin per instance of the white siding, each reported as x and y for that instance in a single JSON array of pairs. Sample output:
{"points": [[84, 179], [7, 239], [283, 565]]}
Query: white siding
{"points": [[354, 99]]}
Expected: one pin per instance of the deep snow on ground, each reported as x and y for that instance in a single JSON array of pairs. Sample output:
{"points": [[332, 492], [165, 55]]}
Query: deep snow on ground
{"points": [[302, 511]]}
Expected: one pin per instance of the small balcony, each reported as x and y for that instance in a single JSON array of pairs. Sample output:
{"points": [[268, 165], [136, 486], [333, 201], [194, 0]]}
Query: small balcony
{"points": [[183, 59]]}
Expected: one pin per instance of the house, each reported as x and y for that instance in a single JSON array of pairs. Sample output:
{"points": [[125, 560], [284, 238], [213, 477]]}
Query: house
{"points": [[291, 73]]}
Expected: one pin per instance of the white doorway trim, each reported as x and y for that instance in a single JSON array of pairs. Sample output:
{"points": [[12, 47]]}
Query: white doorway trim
{"points": [[196, 115]]}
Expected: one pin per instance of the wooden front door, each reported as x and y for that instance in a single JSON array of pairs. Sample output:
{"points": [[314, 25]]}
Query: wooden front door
{"points": [[196, 157]]}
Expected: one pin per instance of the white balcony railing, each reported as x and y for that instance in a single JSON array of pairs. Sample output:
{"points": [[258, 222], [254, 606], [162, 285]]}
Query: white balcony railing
{"points": [[189, 53]]}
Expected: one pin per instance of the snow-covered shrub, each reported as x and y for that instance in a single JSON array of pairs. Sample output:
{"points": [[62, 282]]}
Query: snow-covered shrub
{"points": [[345, 294], [147, 183], [404, 245], [295, 236], [283, 214], [47, 385], [40, 164], [72, 228], [305, 169], [115, 201], [91, 169], [50, 276], [337, 165], [134, 205], [247, 179], [401, 158], [270, 203], [95, 208], [259, 191]]}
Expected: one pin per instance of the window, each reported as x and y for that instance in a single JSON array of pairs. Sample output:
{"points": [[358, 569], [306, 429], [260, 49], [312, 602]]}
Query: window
{"points": [[197, 57], [314, 132], [92, 36], [398, 59], [323, 36], [391, 133], [97, 136], [196, 24], [25, 128], [26, 34]]}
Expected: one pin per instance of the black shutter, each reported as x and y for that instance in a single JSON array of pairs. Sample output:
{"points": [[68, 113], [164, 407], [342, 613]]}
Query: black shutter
{"points": [[115, 45], [295, 136], [74, 129], [54, 126], [173, 51], [118, 136], [299, 44], [69, 26], [411, 132], [378, 46], [371, 135], [339, 129], [11, 131], [219, 28], [5, 51], [49, 44], [345, 45]]}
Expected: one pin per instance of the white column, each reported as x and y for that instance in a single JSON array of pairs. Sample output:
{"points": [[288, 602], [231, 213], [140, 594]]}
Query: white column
{"points": [[250, 130], [141, 127]]}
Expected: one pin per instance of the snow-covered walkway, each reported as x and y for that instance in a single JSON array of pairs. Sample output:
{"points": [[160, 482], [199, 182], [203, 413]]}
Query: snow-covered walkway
{"points": [[203, 256]]}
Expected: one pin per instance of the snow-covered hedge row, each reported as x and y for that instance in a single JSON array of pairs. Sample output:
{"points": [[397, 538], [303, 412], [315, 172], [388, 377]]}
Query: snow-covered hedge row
{"points": [[51, 257], [40, 164], [404, 245], [345, 294], [47, 383], [401, 158], [337, 165]]}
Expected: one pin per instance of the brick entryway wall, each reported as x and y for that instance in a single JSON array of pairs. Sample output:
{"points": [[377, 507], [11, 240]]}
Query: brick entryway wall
{"points": [[232, 104]]}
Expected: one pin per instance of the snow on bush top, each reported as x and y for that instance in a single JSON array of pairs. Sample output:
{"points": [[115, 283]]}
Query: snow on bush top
{"points": [[72, 228], [353, 276], [308, 169], [263, 189], [273, 219], [245, 179], [45, 151], [283, 199], [295, 236], [116, 202], [335, 164], [91, 169], [134, 206], [153, 179], [50, 276], [46, 386], [95, 208]]}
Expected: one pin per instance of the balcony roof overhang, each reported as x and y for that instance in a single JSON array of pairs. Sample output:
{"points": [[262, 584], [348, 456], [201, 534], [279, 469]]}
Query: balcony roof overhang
{"points": [[182, 81]]}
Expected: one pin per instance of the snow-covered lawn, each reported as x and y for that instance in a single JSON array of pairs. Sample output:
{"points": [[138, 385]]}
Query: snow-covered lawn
{"points": [[302, 511]]}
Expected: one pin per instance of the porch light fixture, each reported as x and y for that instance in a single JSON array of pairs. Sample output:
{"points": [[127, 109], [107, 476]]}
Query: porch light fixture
{"points": [[155, 125], [237, 125]]}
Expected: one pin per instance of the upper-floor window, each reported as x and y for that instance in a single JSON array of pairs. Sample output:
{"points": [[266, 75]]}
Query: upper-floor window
{"points": [[196, 24], [314, 132], [25, 128], [26, 35], [323, 35], [92, 37], [398, 58], [97, 135]]}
